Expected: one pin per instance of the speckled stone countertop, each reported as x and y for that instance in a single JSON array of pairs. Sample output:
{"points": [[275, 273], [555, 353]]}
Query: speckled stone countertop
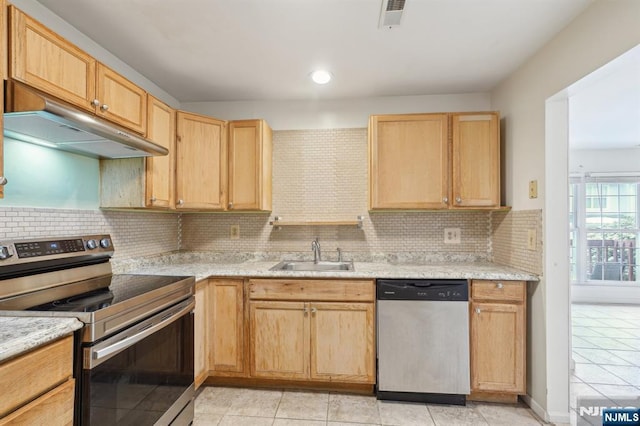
{"points": [[203, 266], [18, 335]]}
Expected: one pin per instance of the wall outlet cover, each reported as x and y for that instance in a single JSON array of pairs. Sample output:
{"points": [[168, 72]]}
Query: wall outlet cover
{"points": [[452, 235], [532, 240], [234, 233]]}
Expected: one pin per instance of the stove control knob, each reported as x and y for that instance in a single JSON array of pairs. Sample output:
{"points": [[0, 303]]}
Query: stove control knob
{"points": [[4, 253], [105, 243], [91, 244]]}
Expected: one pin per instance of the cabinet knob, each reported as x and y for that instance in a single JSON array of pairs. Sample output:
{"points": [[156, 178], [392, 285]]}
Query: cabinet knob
{"points": [[458, 200], [3, 181], [499, 285], [95, 102], [314, 310], [230, 205], [306, 312], [477, 310], [180, 202], [104, 107], [153, 199], [445, 200]]}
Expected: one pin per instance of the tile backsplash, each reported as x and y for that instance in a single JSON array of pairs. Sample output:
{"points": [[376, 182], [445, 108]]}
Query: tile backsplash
{"points": [[134, 233], [318, 175]]}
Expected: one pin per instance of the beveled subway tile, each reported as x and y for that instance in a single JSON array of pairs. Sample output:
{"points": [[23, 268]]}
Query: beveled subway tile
{"points": [[454, 415], [256, 402], [216, 400], [500, 414], [303, 405], [404, 414], [353, 408]]}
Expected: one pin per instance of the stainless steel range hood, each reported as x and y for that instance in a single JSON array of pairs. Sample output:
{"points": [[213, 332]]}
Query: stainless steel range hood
{"points": [[35, 117]]}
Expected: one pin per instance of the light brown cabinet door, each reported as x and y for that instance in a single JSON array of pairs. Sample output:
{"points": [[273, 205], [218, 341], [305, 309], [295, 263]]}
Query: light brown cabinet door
{"points": [[119, 100], [279, 339], [3, 76], [250, 148], [497, 347], [53, 408], [226, 325], [409, 161], [160, 170], [44, 60], [342, 342], [200, 333], [476, 160], [201, 162]]}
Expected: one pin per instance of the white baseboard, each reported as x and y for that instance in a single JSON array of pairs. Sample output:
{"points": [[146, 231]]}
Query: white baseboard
{"points": [[557, 417]]}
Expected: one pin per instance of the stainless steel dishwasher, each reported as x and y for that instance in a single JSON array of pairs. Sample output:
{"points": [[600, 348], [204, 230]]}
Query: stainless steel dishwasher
{"points": [[423, 340]]}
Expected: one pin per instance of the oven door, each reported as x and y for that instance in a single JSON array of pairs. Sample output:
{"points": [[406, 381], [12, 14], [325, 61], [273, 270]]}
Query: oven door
{"points": [[142, 375]]}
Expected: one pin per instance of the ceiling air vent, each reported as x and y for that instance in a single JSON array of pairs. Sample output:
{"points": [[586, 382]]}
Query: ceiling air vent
{"points": [[391, 13]]}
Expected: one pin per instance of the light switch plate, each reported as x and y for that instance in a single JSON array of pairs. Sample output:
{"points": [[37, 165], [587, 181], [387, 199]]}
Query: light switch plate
{"points": [[533, 189], [532, 239]]}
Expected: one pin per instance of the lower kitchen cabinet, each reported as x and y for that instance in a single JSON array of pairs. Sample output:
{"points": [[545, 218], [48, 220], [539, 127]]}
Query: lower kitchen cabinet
{"points": [[225, 327], [498, 325], [201, 352], [42, 386], [316, 330]]}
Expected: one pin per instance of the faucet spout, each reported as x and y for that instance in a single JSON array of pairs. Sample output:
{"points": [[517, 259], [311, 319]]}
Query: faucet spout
{"points": [[317, 254]]}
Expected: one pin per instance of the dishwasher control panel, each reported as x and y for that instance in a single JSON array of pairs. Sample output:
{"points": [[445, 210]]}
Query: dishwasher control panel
{"points": [[423, 289]]}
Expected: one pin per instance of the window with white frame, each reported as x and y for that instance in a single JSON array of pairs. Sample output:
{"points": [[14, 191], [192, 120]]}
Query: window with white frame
{"points": [[604, 229]]}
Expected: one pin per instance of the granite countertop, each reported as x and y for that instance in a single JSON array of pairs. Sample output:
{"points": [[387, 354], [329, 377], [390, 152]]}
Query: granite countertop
{"points": [[21, 334], [203, 268]]}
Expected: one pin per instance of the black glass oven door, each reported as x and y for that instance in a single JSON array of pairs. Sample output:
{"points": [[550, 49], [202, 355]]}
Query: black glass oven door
{"points": [[142, 375]]}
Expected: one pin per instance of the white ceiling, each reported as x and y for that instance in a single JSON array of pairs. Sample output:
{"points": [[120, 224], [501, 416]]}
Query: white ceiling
{"points": [[228, 50]]}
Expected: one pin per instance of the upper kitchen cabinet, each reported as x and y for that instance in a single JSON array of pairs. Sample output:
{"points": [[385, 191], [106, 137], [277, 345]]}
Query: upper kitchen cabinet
{"points": [[475, 160], [160, 171], [434, 161], [201, 162], [408, 161], [3, 76], [119, 100], [250, 152], [44, 60]]}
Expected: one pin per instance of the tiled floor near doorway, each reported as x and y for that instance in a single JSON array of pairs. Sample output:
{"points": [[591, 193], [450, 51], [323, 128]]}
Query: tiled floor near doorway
{"points": [[251, 407], [606, 351]]}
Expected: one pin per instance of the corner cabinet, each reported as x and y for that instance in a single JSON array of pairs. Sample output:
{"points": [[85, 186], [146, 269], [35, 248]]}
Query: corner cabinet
{"points": [[250, 158], [434, 161], [498, 338], [201, 162], [312, 330]]}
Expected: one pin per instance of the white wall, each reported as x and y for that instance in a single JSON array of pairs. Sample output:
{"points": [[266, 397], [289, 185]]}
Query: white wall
{"points": [[57, 24], [337, 114], [604, 160], [604, 31]]}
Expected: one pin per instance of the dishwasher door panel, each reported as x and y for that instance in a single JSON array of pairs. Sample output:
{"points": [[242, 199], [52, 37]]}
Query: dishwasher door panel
{"points": [[423, 346]]}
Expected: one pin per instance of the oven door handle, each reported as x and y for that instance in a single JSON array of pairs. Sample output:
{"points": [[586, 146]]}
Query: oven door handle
{"points": [[145, 329]]}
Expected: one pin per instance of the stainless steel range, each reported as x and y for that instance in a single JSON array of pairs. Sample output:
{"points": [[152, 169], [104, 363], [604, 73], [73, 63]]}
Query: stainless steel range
{"points": [[134, 355]]}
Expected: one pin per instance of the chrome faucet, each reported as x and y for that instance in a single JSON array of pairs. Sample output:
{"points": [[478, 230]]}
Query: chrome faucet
{"points": [[315, 246]]}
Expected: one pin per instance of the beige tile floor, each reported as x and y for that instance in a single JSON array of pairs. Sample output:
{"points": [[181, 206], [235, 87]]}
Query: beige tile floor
{"points": [[606, 352], [240, 406]]}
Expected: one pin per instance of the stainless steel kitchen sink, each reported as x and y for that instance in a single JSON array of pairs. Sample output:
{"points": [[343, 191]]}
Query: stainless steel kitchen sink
{"points": [[310, 266]]}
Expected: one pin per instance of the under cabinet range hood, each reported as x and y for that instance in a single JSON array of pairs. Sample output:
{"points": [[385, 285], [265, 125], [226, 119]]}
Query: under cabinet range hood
{"points": [[35, 117]]}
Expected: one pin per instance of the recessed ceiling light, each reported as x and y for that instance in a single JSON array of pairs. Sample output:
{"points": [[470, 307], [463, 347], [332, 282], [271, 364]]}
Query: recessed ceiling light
{"points": [[321, 76]]}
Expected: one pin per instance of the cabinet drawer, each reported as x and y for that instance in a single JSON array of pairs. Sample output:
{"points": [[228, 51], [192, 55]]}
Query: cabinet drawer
{"points": [[54, 408], [507, 291], [316, 290], [35, 373]]}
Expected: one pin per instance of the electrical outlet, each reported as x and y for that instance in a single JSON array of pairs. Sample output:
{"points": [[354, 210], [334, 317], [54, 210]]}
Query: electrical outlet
{"points": [[452, 235], [234, 234], [533, 189], [531, 239]]}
